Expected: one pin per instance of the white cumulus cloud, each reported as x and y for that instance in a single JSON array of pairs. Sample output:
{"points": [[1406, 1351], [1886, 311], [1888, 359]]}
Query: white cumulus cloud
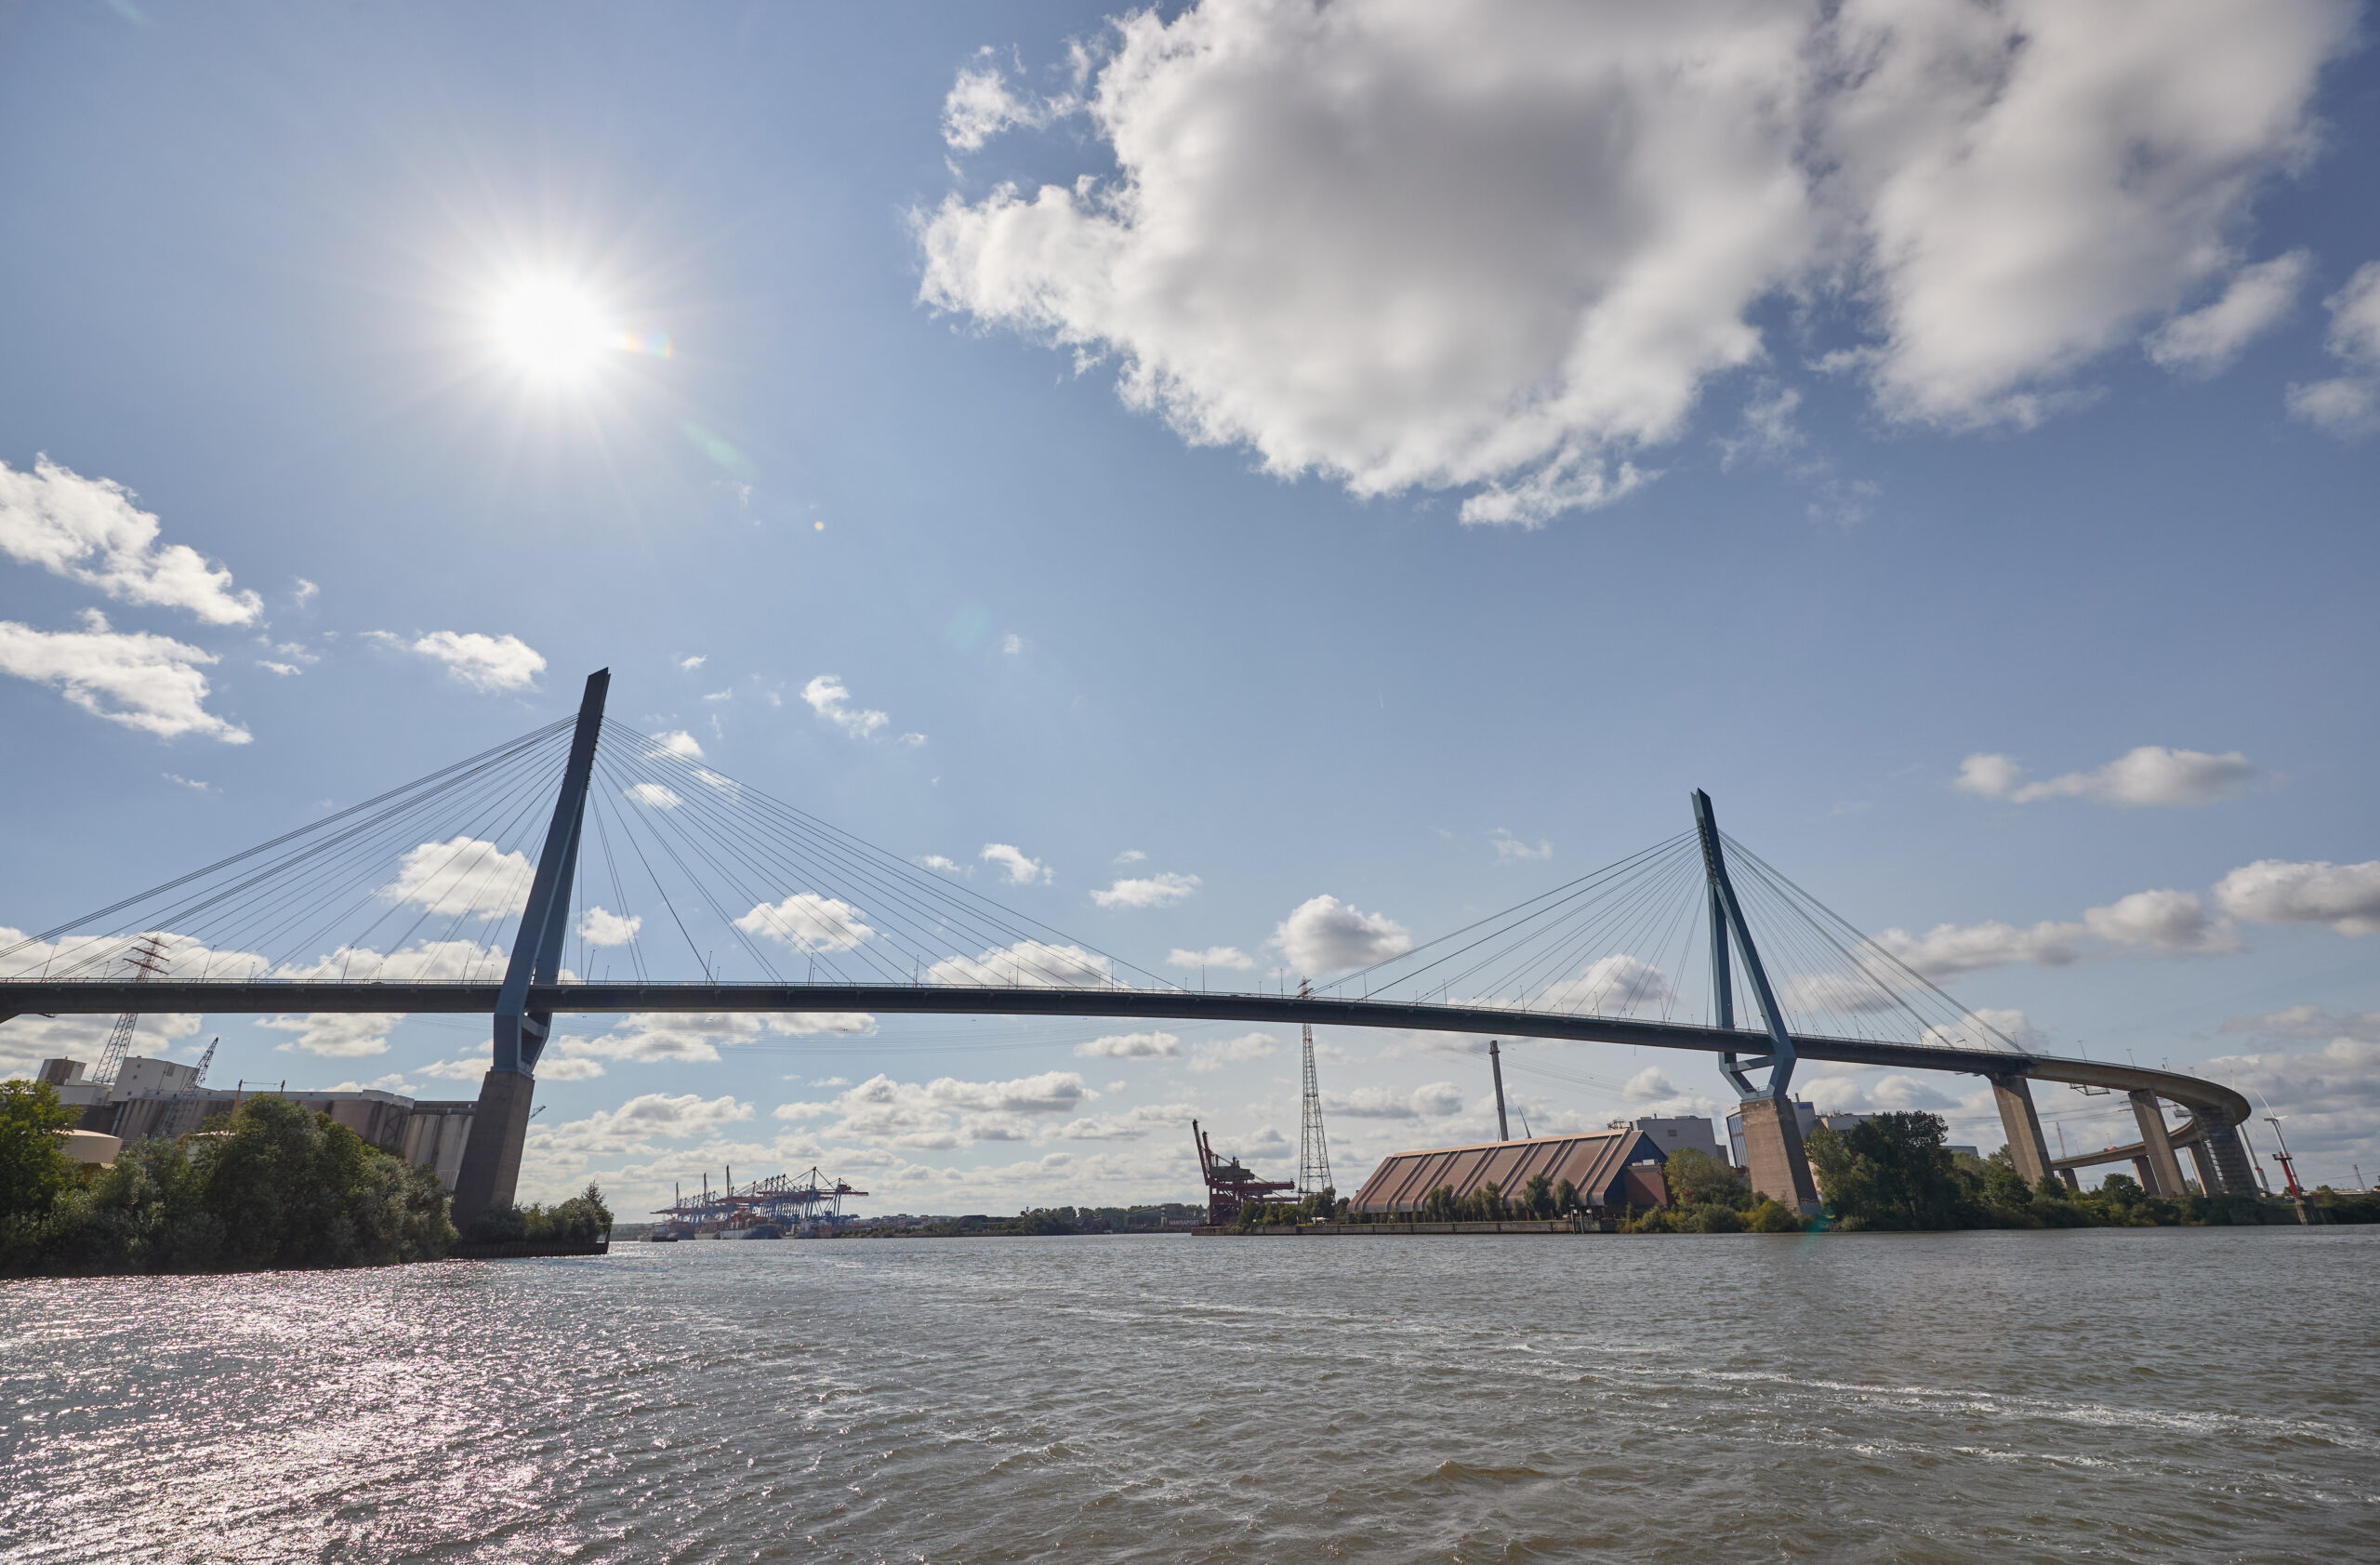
{"points": [[2205, 342], [2350, 404], [1161, 890], [1027, 963], [1506, 249], [1131, 1046], [831, 700], [89, 530], [1618, 984], [807, 921], [485, 663], [652, 795], [1019, 870], [2158, 922], [1323, 936], [598, 927], [1435, 1101], [2345, 896], [144, 681], [464, 876], [1511, 850], [2146, 775], [1224, 1052]]}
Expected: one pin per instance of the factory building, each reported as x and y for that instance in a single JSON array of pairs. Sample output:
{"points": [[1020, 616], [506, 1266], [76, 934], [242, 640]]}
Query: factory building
{"points": [[1611, 1169], [1676, 1134], [161, 1098]]}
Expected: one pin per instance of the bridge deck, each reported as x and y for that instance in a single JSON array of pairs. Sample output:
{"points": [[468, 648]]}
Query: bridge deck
{"points": [[47, 998]]}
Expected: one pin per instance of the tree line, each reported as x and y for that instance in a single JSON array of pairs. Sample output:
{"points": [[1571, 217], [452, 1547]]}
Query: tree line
{"points": [[266, 1186], [1894, 1172]]}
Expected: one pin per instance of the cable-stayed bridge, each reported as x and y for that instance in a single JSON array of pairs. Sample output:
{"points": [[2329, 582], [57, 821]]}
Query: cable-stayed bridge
{"points": [[586, 867]]}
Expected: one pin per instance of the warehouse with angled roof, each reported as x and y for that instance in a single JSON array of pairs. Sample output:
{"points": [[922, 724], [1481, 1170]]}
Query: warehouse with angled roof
{"points": [[1611, 1169]]}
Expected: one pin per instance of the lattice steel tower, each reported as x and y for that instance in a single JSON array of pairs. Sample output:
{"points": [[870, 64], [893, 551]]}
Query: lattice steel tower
{"points": [[147, 961], [1314, 1150]]}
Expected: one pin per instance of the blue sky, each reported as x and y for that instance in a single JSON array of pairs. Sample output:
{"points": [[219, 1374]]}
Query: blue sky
{"points": [[1303, 449]]}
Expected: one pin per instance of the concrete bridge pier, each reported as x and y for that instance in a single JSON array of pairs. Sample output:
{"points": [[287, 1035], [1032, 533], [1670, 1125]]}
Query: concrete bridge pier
{"points": [[1779, 1165], [2161, 1171], [2027, 1148], [2235, 1174], [2210, 1181]]}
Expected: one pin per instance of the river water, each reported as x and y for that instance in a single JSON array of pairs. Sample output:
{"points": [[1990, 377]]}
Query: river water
{"points": [[2104, 1395]]}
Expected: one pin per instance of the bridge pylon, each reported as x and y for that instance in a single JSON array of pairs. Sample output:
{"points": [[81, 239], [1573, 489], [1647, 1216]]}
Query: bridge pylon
{"points": [[1779, 1164], [491, 1173]]}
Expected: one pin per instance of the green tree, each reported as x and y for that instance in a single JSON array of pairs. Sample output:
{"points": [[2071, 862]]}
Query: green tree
{"points": [[1888, 1171], [270, 1186], [1566, 1197], [1696, 1178], [34, 1168], [1540, 1195]]}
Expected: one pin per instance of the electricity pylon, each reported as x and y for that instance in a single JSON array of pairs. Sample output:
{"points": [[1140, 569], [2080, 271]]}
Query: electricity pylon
{"points": [[1314, 1150], [146, 962]]}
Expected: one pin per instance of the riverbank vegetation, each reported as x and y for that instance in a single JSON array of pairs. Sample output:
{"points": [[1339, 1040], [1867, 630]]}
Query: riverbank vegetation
{"points": [[583, 1219], [268, 1185], [1039, 1221], [1893, 1173]]}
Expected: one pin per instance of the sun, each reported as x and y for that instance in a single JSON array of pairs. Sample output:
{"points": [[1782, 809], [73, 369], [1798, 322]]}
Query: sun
{"points": [[552, 330]]}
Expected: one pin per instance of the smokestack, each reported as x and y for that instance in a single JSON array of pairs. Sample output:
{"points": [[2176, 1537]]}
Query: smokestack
{"points": [[1496, 1064]]}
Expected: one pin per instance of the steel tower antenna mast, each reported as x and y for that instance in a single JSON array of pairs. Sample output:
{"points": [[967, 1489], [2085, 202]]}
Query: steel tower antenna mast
{"points": [[1313, 1150], [147, 962]]}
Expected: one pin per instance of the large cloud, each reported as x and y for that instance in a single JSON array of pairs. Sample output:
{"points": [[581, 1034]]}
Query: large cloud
{"points": [[947, 1112], [1029, 963], [2167, 922], [2345, 896], [462, 877], [2149, 774], [484, 662], [89, 530], [1323, 936], [655, 1035], [144, 681], [807, 921], [1508, 249], [1618, 984]]}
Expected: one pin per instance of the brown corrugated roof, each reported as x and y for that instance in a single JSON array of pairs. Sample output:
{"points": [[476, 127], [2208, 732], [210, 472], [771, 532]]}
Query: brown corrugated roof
{"points": [[1594, 1164]]}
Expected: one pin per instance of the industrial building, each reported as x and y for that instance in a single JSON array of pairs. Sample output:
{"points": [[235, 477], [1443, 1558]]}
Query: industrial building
{"points": [[1680, 1133], [1611, 1169], [162, 1098]]}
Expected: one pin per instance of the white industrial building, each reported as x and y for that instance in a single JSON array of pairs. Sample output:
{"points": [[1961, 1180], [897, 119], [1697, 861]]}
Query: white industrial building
{"points": [[154, 1097]]}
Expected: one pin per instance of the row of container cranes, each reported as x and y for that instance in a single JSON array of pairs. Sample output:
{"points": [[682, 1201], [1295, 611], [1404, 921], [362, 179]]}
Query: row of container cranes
{"points": [[782, 1206]]}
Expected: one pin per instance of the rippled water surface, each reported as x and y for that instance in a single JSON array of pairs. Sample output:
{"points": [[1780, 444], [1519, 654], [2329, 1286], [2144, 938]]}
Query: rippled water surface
{"points": [[2143, 1395]]}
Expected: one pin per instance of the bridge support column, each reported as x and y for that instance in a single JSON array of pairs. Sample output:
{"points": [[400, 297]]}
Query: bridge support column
{"points": [[490, 1174], [2026, 1149], [2210, 1183], [1777, 1164], [2164, 1170], [490, 1177], [2073, 1180], [2237, 1175]]}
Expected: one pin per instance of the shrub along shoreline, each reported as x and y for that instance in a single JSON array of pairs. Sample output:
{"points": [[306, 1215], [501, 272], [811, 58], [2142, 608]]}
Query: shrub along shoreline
{"points": [[1894, 1174], [269, 1186]]}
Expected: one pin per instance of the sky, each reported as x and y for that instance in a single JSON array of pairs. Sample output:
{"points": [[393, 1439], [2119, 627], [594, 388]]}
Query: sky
{"points": [[1173, 466]]}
